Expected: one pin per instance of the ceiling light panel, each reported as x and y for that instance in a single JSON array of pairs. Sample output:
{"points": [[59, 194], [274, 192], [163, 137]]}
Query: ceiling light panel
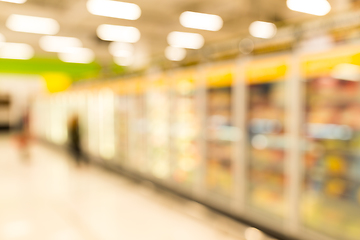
{"points": [[185, 40], [77, 55], [16, 51], [31, 24], [58, 43], [118, 33], [313, 7], [121, 49], [201, 21], [114, 9], [124, 61], [14, 1], [175, 54], [261, 29]]}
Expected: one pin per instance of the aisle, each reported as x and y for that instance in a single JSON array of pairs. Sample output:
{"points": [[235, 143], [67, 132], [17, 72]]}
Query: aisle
{"points": [[50, 199]]}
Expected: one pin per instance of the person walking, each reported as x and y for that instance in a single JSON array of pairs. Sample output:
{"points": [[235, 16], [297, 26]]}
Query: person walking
{"points": [[24, 137], [74, 140]]}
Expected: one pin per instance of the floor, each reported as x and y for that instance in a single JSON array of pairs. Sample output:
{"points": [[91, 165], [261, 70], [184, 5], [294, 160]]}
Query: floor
{"points": [[48, 198]]}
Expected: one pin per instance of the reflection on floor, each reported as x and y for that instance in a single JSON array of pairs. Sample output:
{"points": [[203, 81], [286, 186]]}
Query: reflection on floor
{"points": [[50, 199]]}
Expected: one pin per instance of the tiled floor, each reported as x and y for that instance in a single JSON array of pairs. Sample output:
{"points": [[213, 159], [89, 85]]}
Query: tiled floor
{"points": [[48, 198]]}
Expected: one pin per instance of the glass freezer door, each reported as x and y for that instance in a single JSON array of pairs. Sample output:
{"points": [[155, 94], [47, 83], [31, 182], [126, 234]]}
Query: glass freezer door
{"points": [[331, 188], [220, 143], [266, 151]]}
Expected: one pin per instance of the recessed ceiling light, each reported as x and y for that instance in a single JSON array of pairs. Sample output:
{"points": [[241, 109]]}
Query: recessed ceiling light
{"points": [[58, 44], [201, 21], [30, 24], [118, 33], [16, 51], [124, 61], [175, 54], [185, 40], [77, 55], [114, 9], [121, 49], [313, 7], [261, 29], [14, 1]]}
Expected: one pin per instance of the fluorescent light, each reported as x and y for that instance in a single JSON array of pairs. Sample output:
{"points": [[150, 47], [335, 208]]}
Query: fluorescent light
{"points": [[14, 1], [118, 33], [58, 44], [120, 49], [77, 55], [185, 40], [124, 61], [114, 9], [201, 21], [314, 7], [30, 24], [16, 51], [261, 29], [175, 54]]}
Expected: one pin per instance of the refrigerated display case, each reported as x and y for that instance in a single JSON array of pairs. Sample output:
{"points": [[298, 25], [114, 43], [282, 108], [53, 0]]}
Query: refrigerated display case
{"points": [[219, 149], [331, 133], [158, 126], [93, 123], [185, 128], [266, 109], [106, 123], [121, 123], [137, 127], [59, 115], [157, 129]]}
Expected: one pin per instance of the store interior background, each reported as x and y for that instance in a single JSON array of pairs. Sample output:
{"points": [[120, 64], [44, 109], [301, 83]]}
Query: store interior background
{"points": [[250, 107]]}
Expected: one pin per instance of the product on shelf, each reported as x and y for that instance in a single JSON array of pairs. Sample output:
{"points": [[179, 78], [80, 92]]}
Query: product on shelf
{"points": [[330, 198], [266, 132], [186, 129], [158, 126], [219, 163]]}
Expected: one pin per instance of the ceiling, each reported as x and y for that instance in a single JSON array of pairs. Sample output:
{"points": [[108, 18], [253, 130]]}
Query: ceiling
{"points": [[158, 19]]}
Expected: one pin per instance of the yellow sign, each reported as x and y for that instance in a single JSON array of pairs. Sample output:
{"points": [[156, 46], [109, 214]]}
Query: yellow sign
{"points": [[220, 76], [56, 81], [185, 81], [322, 64], [266, 70]]}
